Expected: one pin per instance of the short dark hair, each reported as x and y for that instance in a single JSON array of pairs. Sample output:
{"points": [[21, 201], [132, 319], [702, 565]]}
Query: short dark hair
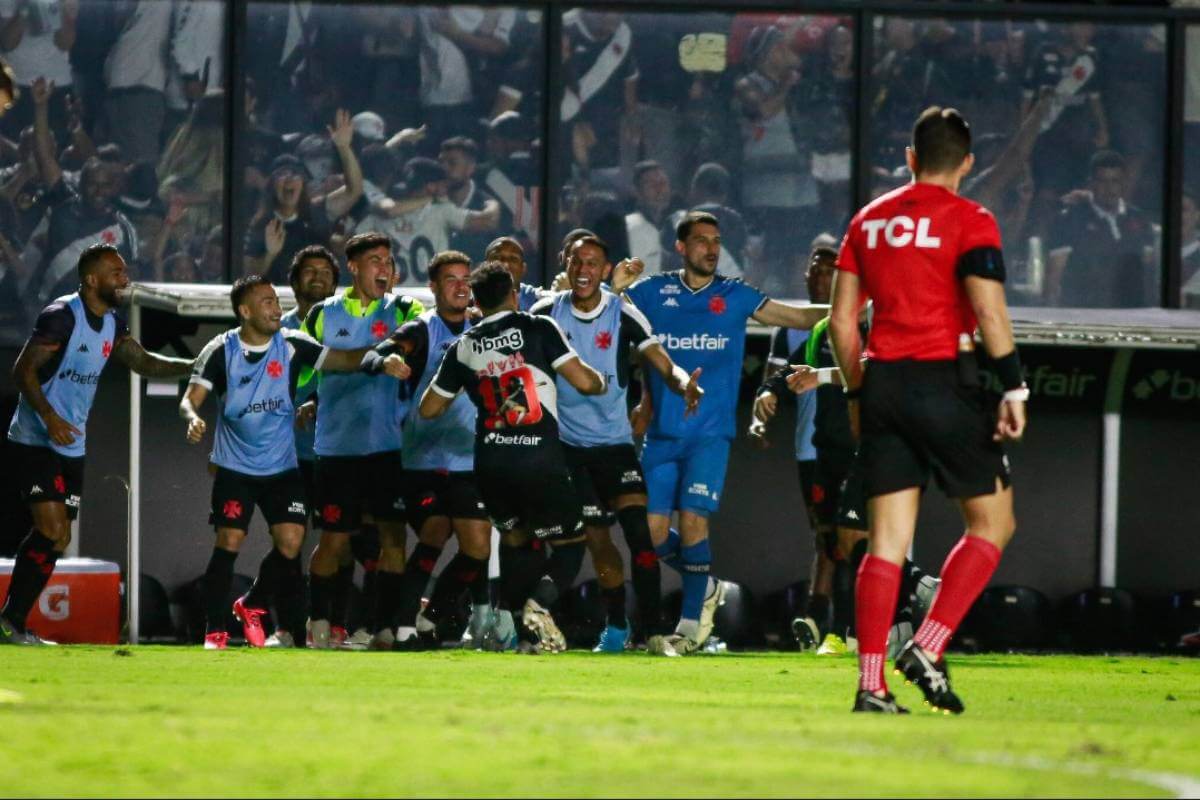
{"points": [[823, 252], [594, 241], [1105, 159], [312, 251], [642, 168], [91, 257], [464, 144], [941, 139], [243, 285], [491, 283], [684, 228], [502, 240], [360, 243], [447, 257]]}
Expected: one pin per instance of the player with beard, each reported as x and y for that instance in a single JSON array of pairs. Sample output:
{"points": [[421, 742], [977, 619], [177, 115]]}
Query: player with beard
{"points": [[700, 317], [254, 370], [597, 437], [57, 372], [358, 437], [519, 465], [439, 461]]}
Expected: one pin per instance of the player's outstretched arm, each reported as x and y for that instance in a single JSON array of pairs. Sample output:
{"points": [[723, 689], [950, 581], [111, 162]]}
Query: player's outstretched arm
{"points": [[193, 398], [150, 365], [583, 378], [843, 328], [786, 315], [344, 360], [804, 378], [677, 378], [987, 301], [25, 372]]}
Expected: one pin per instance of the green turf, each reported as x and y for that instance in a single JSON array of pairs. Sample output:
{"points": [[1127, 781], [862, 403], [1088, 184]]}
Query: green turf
{"points": [[180, 721]]}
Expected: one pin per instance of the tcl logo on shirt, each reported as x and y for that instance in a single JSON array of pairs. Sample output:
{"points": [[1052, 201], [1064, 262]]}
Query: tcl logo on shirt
{"points": [[900, 232]]}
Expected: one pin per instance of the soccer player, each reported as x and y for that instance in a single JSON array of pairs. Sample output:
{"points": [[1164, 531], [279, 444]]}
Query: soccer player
{"points": [[931, 262], [57, 373], [508, 251], [358, 437], [254, 369], [522, 475], [700, 317], [439, 461], [597, 437]]}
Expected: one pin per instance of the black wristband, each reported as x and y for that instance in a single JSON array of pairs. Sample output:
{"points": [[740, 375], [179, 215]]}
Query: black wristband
{"points": [[1008, 370]]}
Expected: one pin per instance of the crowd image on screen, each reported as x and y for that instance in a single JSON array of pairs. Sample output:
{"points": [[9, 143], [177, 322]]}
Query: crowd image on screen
{"points": [[427, 124]]}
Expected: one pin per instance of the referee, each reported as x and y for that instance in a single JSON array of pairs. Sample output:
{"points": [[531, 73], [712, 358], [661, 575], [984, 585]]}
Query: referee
{"points": [[931, 262]]}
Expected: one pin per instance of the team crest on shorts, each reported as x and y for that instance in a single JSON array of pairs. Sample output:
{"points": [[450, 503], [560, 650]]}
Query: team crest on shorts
{"points": [[232, 509]]}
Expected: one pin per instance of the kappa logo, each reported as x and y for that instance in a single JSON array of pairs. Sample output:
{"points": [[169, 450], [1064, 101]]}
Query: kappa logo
{"points": [[342, 333], [852, 514], [671, 302], [35, 490], [245, 381], [83, 348]]}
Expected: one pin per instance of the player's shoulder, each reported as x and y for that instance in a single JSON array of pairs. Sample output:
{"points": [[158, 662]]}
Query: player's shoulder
{"points": [[970, 210], [546, 305], [297, 335]]}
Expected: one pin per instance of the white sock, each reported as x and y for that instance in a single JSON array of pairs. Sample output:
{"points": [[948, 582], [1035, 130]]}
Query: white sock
{"points": [[403, 634], [688, 627]]}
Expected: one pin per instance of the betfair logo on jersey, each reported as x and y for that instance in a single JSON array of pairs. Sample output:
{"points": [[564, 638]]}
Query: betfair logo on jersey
{"points": [[262, 407], [522, 439], [84, 379], [511, 339], [900, 232], [697, 341]]}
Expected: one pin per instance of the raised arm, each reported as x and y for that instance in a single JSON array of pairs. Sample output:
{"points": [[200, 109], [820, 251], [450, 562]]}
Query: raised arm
{"points": [[43, 139], [339, 202], [149, 365], [786, 315]]}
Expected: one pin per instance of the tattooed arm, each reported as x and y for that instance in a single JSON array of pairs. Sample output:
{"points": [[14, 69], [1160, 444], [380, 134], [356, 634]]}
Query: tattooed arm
{"points": [[150, 365]]}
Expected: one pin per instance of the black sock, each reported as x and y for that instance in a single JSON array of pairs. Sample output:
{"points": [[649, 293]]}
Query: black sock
{"points": [[343, 582], [35, 562], [614, 606], [320, 595], [388, 587], [218, 579], [645, 571], [289, 597], [480, 596], [266, 585], [910, 575], [460, 575], [561, 569], [413, 582], [843, 597], [365, 547], [818, 609], [520, 568]]}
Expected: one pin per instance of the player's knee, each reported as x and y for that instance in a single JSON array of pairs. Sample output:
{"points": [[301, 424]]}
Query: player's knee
{"points": [[693, 528], [289, 540], [230, 539]]}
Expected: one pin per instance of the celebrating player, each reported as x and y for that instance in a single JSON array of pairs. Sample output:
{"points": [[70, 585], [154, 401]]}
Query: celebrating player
{"points": [[700, 317], [254, 369], [439, 462], [931, 262], [519, 462], [358, 438], [57, 373], [596, 434]]}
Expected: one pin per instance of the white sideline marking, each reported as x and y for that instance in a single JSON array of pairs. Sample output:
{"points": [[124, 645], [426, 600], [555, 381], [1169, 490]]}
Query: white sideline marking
{"points": [[1183, 786]]}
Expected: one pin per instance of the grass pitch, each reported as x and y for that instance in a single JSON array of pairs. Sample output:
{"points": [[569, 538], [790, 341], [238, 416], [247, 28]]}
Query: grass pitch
{"points": [[183, 722]]}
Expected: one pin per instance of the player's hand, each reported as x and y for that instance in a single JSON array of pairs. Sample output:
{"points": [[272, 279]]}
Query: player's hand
{"points": [[803, 378], [626, 272], [306, 416], [692, 393], [765, 406], [195, 431], [639, 418], [1010, 422], [342, 132], [61, 432], [394, 365], [274, 236], [561, 282], [758, 434], [474, 313]]}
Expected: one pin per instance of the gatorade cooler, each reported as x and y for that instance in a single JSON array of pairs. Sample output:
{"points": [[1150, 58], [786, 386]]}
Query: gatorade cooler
{"points": [[80, 605]]}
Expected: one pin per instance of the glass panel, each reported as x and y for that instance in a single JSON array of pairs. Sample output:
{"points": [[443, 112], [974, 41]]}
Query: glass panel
{"points": [[444, 106], [1068, 122], [134, 146], [1189, 274], [746, 115]]}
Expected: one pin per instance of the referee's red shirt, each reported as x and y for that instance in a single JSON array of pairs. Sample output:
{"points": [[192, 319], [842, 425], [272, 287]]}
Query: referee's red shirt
{"points": [[905, 247]]}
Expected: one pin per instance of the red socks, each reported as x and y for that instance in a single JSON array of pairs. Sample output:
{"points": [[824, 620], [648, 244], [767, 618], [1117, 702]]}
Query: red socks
{"points": [[875, 604], [966, 572]]}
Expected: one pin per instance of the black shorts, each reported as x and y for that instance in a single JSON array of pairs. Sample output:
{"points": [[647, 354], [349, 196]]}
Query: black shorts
{"points": [[807, 472], [441, 494], [531, 489], [601, 475], [349, 487], [234, 495], [47, 476], [308, 472], [918, 420], [851, 510]]}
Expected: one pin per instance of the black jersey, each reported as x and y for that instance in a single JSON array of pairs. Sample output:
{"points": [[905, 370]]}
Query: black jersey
{"points": [[507, 365]]}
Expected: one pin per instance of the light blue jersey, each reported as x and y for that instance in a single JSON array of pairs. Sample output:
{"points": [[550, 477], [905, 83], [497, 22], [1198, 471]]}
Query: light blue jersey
{"points": [[72, 388], [305, 437], [528, 295], [602, 338], [704, 328], [447, 442], [806, 404], [254, 429]]}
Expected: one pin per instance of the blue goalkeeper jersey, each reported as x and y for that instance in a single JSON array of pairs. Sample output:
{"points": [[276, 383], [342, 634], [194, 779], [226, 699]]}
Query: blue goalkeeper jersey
{"points": [[704, 328]]}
